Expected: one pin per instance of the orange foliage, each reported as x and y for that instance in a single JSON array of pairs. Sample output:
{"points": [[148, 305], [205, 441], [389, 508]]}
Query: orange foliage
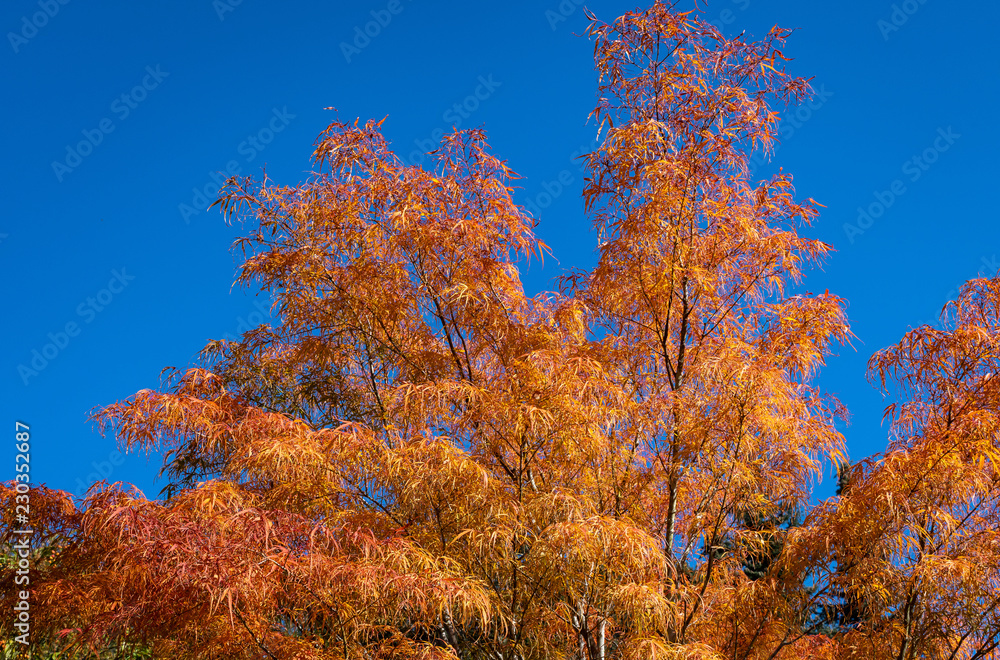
{"points": [[419, 460]]}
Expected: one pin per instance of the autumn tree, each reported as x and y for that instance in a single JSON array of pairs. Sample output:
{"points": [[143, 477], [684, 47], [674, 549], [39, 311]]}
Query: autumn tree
{"points": [[418, 459], [917, 533]]}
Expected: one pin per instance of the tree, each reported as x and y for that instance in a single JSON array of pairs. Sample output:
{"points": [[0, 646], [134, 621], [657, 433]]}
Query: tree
{"points": [[917, 530], [417, 459], [54, 522]]}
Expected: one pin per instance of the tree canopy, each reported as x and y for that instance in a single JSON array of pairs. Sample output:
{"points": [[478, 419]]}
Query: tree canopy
{"points": [[417, 459]]}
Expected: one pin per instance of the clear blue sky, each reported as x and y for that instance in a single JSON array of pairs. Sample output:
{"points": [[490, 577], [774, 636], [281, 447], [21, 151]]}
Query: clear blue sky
{"points": [[173, 92]]}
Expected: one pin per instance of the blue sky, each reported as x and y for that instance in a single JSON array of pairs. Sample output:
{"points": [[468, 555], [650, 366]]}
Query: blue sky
{"points": [[120, 117]]}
